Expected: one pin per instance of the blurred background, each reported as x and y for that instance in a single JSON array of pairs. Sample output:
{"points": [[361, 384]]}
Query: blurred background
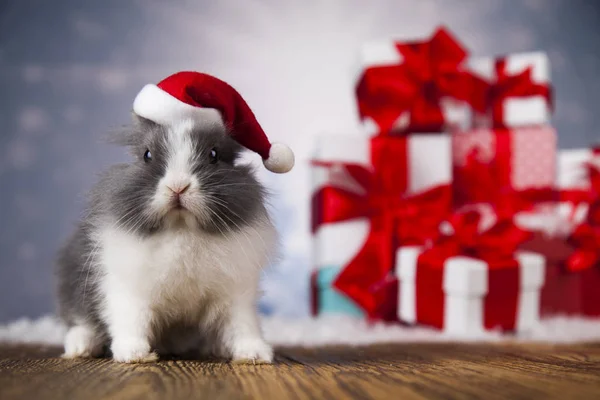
{"points": [[69, 71]]}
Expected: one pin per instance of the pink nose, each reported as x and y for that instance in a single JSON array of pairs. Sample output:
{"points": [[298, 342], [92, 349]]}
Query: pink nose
{"points": [[179, 189]]}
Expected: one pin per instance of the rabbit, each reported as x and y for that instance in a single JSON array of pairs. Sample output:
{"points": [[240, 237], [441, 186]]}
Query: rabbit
{"points": [[169, 254]]}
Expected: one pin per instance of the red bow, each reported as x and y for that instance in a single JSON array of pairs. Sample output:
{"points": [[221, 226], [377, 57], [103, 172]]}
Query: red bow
{"points": [[393, 219], [589, 196], [586, 237], [495, 245], [587, 240], [506, 86], [429, 71], [593, 169]]}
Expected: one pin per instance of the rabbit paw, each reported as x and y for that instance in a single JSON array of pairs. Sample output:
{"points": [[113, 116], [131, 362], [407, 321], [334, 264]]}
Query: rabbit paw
{"points": [[133, 351], [252, 351], [82, 342]]}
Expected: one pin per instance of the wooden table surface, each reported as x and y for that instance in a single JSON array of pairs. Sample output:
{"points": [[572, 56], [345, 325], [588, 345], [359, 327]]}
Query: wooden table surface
{"points": [[399, 371]]}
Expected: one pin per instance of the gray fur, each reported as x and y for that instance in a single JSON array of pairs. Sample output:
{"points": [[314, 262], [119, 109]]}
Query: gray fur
{"points": [[123, 193]]}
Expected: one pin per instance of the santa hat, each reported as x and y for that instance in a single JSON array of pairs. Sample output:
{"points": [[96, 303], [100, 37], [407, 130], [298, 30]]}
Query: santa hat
{"points": [[206, 99]]}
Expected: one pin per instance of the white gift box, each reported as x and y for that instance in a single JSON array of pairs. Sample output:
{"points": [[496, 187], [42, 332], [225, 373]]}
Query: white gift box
{"points": [[516, 111], [429, 165], [571, 173], [384, 52], [465, 286], [559, 219]]}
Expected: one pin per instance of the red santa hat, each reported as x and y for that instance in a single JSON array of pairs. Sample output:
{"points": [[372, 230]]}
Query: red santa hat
{"points": [[204, 98]]}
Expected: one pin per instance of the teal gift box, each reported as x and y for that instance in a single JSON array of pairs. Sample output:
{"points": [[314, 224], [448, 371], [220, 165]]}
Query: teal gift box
{"points": [[327, 300]]}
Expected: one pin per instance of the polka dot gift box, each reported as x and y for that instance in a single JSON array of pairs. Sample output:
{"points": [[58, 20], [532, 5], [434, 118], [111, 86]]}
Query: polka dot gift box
{"points": [[512, 169]]}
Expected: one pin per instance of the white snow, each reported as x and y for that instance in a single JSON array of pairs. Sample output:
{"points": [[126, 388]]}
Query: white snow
{"points": [[333, 330], [345, 330], [46, 330]]}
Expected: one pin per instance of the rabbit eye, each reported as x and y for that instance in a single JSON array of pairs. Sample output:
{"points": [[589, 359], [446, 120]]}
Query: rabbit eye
{"points": [[213, 156], [147, 156]]}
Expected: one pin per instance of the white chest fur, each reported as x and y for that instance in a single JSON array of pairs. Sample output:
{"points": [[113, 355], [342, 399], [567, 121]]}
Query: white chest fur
{"points": [[178, 271]]}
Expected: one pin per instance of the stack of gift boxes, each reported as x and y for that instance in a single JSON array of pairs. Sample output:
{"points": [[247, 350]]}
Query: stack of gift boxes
{"points": [[453, 208]]}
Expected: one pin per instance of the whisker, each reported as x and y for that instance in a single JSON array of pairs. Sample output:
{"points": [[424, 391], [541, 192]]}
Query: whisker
{"points": [[88, 267]]}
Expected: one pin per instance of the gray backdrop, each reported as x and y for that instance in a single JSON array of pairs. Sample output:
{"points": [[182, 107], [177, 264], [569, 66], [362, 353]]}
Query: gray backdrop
{"points": [[69, 71]]}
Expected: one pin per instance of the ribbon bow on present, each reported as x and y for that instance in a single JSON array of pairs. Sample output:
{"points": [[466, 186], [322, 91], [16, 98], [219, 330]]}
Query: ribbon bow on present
{"points": [[393, 219], [507, 86], [591, 196], [495, 245], [429, 71], [586, 237], [587, 240], [593, 169], [467, 235]]}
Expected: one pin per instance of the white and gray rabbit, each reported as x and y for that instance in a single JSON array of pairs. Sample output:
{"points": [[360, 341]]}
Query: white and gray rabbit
{"points": [[168, 256]]}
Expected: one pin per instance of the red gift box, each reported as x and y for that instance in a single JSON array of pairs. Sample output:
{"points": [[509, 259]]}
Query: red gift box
{"points": [[512, 169], [573, 272], [561, 294], [585, 260], [419, 86], [590, 293]]}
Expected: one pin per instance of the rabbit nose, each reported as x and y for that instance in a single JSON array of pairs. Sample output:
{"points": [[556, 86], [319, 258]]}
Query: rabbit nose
{"points": [[179, 189]]}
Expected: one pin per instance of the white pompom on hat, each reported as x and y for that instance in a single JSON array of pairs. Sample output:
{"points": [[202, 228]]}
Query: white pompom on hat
{"points": [[202, 97]]}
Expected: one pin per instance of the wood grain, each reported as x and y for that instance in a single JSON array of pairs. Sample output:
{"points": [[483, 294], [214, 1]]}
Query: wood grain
{"points": [[406, 371]]}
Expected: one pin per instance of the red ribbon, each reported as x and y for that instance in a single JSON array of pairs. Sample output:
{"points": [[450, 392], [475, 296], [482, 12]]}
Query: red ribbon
{"points": [[480, 181], [496, 246], [429, 71], [507, 86], [410, 220], [393, 219]]}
